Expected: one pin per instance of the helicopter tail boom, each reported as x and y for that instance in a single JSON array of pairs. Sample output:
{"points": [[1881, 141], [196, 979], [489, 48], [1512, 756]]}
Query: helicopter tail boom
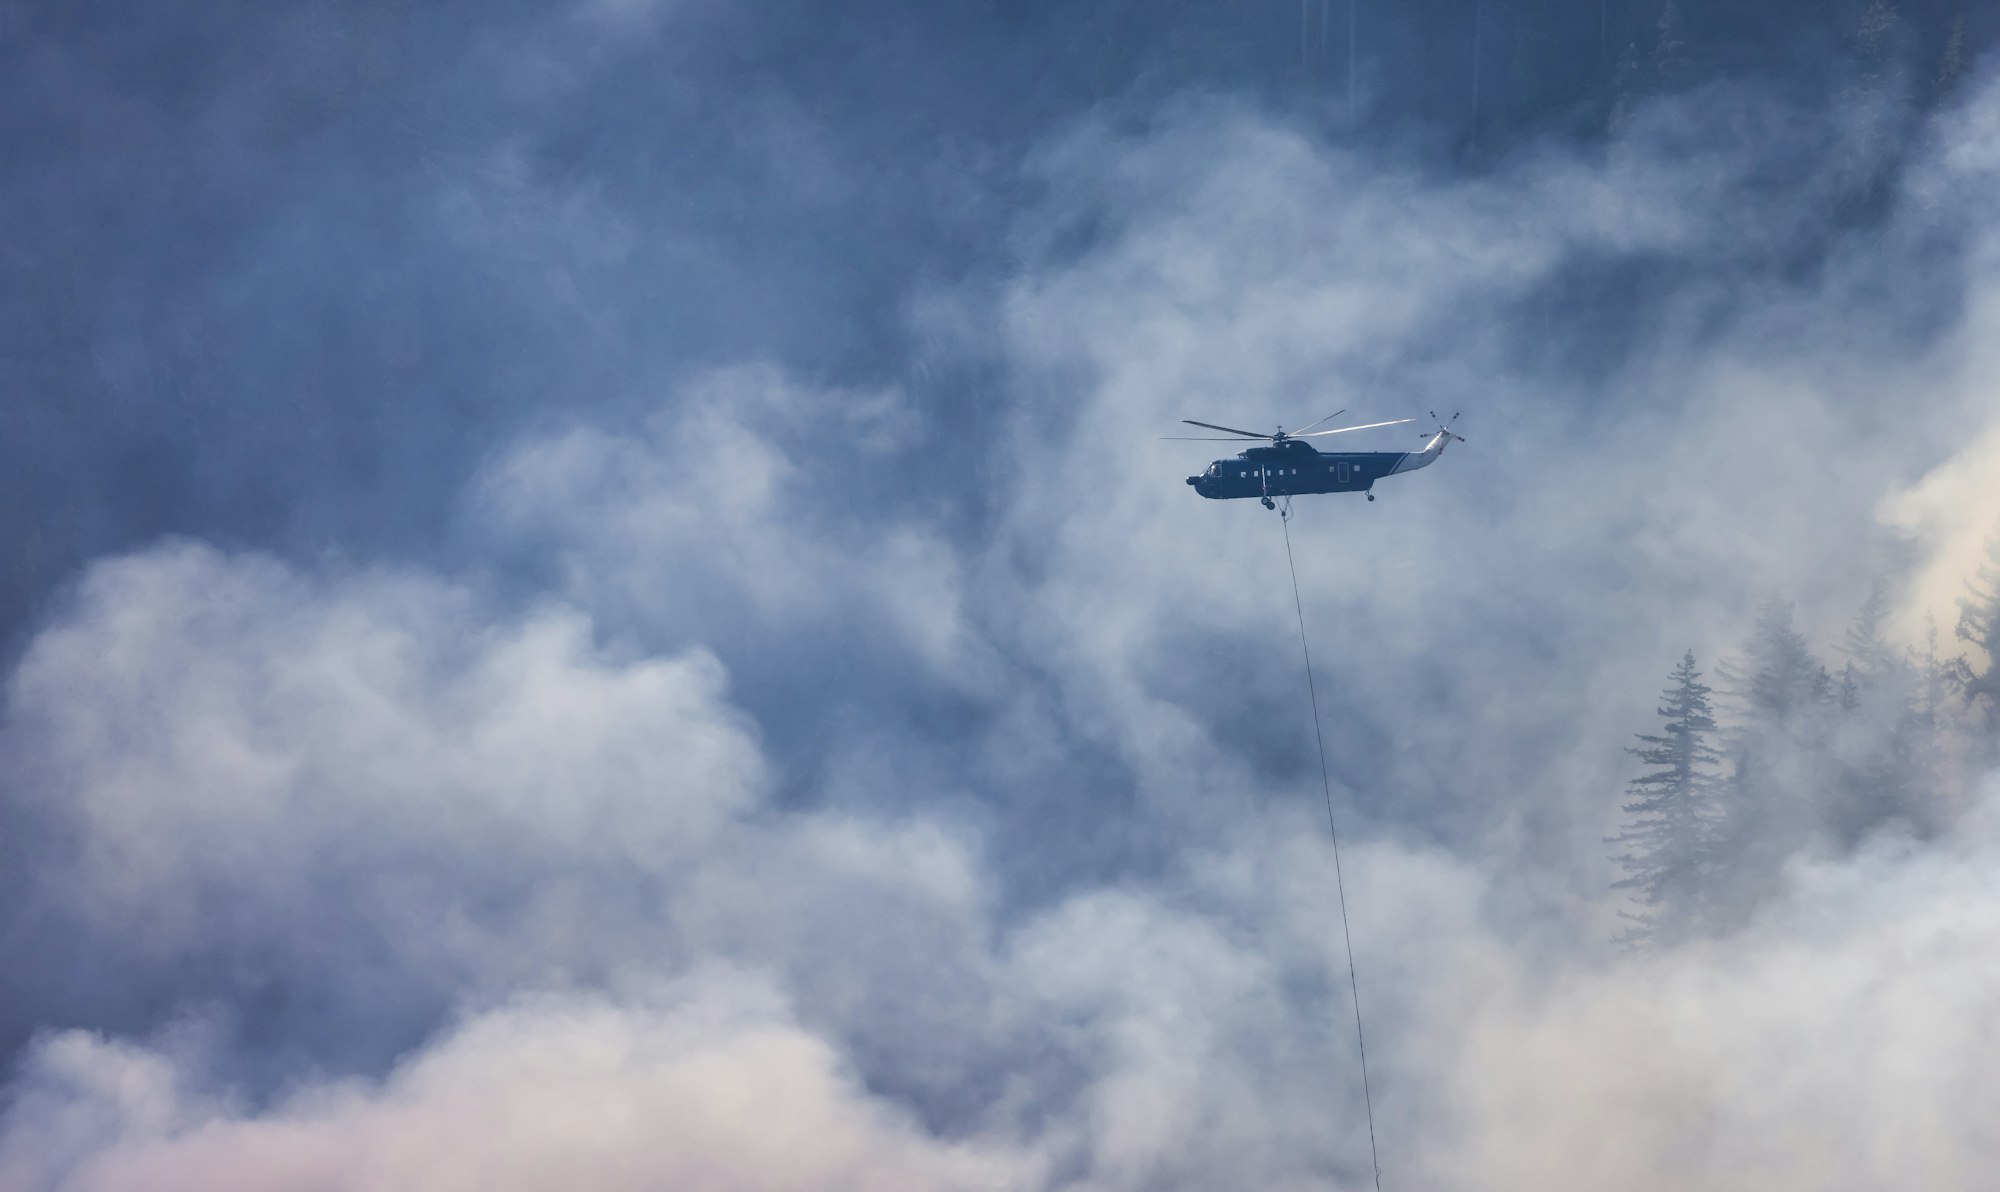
{"points": [[1426, 457], [1438, 442]]}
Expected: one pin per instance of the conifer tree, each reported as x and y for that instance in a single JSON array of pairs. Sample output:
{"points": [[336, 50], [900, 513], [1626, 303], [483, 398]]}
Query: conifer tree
{"points": [[1951, 65], [1936, 686], [1669, 835], [1979, 626], [1879, 740], [1935, 750], [1871, 654], [1850, 689], [1875, 38], [1784, 679], [1672, 63], [1779, 755]]}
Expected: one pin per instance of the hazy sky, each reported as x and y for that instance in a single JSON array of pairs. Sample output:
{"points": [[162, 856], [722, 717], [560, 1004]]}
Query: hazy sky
{"points": [[594, 599]]}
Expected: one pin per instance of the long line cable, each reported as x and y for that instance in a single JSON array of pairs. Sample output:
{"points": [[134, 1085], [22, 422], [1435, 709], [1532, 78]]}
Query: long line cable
{"points": [[1339, 883]]}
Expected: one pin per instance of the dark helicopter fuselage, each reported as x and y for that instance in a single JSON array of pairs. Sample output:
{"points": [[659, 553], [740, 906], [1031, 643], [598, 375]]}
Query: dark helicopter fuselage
{"points": [[1290, 468]]}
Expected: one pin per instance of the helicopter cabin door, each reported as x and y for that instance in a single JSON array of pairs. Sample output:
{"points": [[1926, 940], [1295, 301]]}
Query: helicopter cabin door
{"points": [[1342, 471]]}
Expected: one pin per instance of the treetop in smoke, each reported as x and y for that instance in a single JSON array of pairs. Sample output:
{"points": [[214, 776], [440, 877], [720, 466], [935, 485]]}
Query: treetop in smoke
{"points": [[1979, 627], [1809, 762], [1670, 838]]}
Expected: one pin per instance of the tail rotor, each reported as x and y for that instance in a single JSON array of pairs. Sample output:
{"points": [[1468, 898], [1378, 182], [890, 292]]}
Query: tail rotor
{"points": [[1444, 427]]}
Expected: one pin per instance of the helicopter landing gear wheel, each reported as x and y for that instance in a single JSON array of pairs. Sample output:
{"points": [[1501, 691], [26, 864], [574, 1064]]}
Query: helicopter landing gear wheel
{"points": [[1371, 496], [1269, 503]]}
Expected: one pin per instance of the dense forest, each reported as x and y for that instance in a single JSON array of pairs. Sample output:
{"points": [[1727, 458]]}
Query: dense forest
{"points": [[1798, 752], [1500, 69], [1491, 73]]}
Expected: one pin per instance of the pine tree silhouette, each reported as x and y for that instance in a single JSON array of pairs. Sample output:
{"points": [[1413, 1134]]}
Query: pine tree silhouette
{"points": [[1979, 626], [1780, 755], [1669, 837]]}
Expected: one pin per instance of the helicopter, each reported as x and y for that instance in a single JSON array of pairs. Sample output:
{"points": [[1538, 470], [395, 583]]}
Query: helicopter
{"points": [[1291, 466]]}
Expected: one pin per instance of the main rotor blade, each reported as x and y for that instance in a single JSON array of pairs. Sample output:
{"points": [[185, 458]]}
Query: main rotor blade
{"points": [[1232, 430], [1308, 426], [1341, 430], [1204, 438]]}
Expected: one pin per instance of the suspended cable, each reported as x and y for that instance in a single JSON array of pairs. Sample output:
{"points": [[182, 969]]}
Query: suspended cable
{"points": [[1339, 883]]}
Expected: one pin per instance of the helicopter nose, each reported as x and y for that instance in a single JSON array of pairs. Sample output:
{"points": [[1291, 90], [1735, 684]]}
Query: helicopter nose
{"points": [[1196, 480]]}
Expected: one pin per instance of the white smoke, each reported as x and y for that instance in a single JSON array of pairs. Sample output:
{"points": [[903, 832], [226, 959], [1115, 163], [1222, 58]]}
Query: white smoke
{"points": [[555, 823]]}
